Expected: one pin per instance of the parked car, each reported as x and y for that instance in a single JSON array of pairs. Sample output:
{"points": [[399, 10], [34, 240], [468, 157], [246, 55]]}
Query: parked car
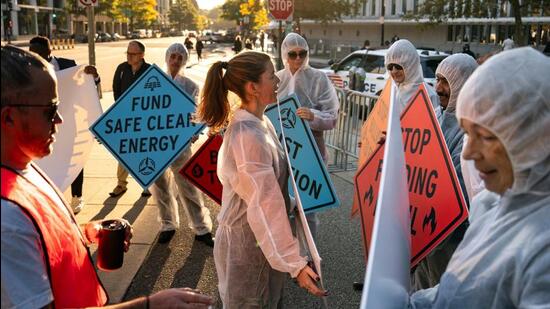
{"points": [[103, 37], [116, 36], [372, 62], [139, 34]]}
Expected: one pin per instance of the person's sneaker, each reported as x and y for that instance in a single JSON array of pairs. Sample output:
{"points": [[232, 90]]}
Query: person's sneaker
{"points": [[166, 236], [118, 191], [206, 239], [77, 204], [146, 193]]}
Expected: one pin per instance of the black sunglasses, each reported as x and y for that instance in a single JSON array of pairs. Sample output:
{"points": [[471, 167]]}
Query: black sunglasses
{"points": [[396, 66], [51, 110], [292, 55]]}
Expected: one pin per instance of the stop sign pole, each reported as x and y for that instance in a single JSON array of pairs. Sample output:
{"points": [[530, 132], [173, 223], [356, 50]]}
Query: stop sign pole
{"points": [[280, 10]]}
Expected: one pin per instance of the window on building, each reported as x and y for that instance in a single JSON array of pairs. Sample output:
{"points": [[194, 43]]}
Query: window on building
{"points": [[26, 22], [449, 33], [415, 6], [475, 36], [404, 6], [373, 8], [458, 33], [393, 7], [42, 2]]}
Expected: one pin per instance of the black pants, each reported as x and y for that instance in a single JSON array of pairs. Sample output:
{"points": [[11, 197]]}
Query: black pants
{"points": [[76, 186]]}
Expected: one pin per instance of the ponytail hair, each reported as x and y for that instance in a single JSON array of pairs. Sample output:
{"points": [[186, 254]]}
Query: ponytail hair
{"points": [[214, 108]]}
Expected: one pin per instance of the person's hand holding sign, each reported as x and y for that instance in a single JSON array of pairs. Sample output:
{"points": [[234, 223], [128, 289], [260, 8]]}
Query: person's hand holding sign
{"points": [[307, 279], [305, 113]]}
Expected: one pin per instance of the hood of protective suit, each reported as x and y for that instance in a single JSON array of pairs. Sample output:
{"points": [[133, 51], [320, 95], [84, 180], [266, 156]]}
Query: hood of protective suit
{"points": [[456, 69], [177, 48], [404, 53], [292, 41], [509, 95]]}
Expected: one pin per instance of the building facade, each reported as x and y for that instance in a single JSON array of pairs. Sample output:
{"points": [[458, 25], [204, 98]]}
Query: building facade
{"points": [[23, 19], [381, 20]]}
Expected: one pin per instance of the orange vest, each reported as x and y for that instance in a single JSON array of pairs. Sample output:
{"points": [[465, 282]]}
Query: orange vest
{"points": [[73, 279]]}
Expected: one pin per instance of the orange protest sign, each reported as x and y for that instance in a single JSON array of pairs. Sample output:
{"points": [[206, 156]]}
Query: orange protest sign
{"points": [[437, 205], [201, 168], [371, 132]]}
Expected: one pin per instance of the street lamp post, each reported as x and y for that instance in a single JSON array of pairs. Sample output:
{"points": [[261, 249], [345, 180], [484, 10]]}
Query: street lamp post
{"points": [[381, 21]]}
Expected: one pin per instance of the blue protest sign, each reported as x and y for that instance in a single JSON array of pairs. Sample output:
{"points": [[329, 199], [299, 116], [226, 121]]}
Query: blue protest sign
{"points": [[315, 187], [148, 126]]}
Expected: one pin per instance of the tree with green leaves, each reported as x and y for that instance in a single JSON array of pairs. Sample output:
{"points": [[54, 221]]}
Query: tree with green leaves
{"points": [[438, 11], [183, 14]]}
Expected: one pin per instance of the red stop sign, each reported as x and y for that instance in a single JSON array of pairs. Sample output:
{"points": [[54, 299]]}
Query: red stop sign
{"points": [[281, 9]]}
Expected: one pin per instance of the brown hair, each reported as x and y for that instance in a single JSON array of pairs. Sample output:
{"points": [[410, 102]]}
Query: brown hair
{"points": [[214, 107]]}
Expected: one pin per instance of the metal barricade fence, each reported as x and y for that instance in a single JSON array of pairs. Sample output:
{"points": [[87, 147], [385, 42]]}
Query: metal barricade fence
{"points": [[342, 141]]}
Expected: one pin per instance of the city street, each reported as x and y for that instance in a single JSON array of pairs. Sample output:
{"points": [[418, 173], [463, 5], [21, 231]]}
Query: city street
{"points": [[150, 267]]}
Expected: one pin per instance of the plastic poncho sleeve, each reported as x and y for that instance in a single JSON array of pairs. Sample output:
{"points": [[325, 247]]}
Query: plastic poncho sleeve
{"points": [[256, 183], [326, 117]]}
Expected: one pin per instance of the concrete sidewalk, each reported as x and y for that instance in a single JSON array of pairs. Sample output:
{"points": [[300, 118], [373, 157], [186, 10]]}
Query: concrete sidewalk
{"points": [[141, 212]]}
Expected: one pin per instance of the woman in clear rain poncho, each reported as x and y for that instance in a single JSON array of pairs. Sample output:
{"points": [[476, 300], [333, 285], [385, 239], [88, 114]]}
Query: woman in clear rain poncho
{"points": [[314, 91], [504, 258], [187, 194], [254, 242], [403, 63], [451, 75]]}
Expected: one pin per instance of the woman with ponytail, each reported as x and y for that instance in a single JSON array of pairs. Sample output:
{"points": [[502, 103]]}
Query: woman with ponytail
{"points": [[254, 243]]}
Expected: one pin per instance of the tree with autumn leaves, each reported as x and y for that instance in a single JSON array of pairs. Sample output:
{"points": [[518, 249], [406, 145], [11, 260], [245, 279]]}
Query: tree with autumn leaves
{"points": [[323, 11], [137, 13]]}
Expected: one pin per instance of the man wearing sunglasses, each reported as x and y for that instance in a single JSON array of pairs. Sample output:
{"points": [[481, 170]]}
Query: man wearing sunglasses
{"points": [[45, 258], [125, 75], [314, 91], [41, 45]]}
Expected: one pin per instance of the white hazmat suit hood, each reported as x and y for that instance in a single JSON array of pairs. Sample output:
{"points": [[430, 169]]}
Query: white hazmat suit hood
{"points": [[404, 53], [509, 95], [313, 89], [504, 258], [456, 69]]}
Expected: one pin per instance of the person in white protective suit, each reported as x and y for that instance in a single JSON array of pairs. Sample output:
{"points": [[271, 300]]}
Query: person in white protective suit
{"points": [[314, 91], [451, 74], [403, 63], [254, 246], [504, 258], [168, 194]]}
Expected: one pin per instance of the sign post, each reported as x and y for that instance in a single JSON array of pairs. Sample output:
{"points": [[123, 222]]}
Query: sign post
{"points": [[280, 10], [89, 5]]}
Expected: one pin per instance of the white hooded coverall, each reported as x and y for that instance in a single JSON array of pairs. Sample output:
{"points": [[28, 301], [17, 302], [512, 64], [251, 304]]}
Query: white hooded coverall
{"points": [[254, 242], [314, 91], [404, 53], [504, 258], [185, 193]]}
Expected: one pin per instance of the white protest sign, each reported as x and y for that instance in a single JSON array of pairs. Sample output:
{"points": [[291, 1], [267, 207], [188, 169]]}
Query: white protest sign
{"points": [[387, 279], [80, 107]]}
